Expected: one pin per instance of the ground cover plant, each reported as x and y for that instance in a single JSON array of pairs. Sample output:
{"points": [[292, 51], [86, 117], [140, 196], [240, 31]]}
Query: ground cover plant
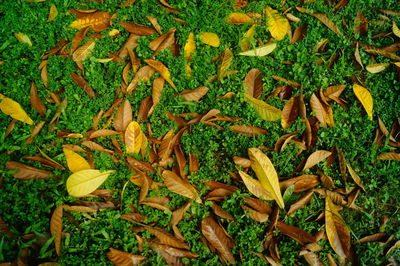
{"points": [[199, 132]]}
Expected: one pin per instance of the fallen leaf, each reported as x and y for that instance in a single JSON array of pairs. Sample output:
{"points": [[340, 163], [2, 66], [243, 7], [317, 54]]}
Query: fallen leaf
{"points": [[179, 186], [143, 74], [364, 96], [56, 227], [133, 137], [215, 234], [360, 24], [124, 258], [86, 181], [253, 83], [290, 112], [248, 130], [23, 38], [210, 38], [301, 203], [322, 111], [98, 21], [396, 30], [238, 18], [14, 109], [391, 156], [254, 186], [26, 172], [36, 102], [163, 42], [255, 215], [225, 64], [315, 158], [295, 233], [81, 82], [103, 133], [336, 230], [137, 29], [177, 216], [162, 70], [52, 13], [83, 52], [221, 212], [75, 162], [376, 68], [298, 34], [194, 95], [189, 47], [327, 22], [266, 173], [123, 116], [155, 24], [354, 176], [166, 238], [245, 42], [260, 51], [278, 25], [158, 87], [265, 111]]}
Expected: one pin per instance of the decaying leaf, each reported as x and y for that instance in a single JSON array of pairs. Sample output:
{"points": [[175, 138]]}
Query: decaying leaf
{"points": [[290, 112], [248, 130], [215, 234], [315, 158], [162, 70], [180, 186], [22, 37], [56, 227], [86, 181], [296, 233], [26, 172], [364, 96], [336, 230], [277, 24], [209, 38], [327, 22], [266, 173], [83, 52], [253, 83], [194, 95], [14, 109], [75, 162], [36, 102], [260, 51], [124, 258], [225, 64], [301, 203], [81, 82], [123, 116], [376, 68], [137, 29], [98, 21], [166, 238], [389, 156], [266, 111]]}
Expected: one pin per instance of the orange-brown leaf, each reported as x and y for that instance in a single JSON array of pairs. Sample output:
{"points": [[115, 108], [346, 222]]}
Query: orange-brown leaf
{"points": [[36, 102], [221, 212], [248, 130], [98, 21], [122, 258], [195, 94], [255, 215], [162, 70], [56, 227], [123, 116], [137, 29], [179, 186], [26, 172], [391, 156], [253, 83], [290, 112], [81, 82], [315, 158], [301, 203], [296, 233], [166, 238], [327, 22]]}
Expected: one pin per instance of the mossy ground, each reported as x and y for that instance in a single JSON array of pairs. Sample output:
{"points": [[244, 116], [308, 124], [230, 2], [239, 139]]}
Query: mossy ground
{"points": [[26, 206]]}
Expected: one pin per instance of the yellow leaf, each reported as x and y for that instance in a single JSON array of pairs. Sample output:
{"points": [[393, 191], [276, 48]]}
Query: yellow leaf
{"points": [[260, 51], [98, 21], [86, 181], [162, 70], [245, 43], [396, 30], [397, 64], [255, 187], [190, 47], [56, 227], [376, 68], [75, 162], [265, 171], [23, 38], [113, 32], [133, 137], [14, 109], [209, 38], [238, 18], [266, 111], [364, 96], [188, 70], [226, 62], [336, 230], [84, 51], [52, 13], [278, 25]]}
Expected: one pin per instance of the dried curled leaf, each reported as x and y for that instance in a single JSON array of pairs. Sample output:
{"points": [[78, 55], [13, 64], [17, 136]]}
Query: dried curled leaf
{"points": [[14, 109], [36, 102], [123, 116], [261, 50], [83, 52], [277, 24], [210, 38], [56, 227], [86, 181], [290, 112], [75, 162], [266, 173], [124, 258], [364, 96], [133, 137], [266, 111]]}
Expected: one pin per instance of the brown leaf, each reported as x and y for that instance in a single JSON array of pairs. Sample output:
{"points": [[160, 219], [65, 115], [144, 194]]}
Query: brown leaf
{"points": [[393, 156], [133, 217], [215, 234], [177, 216], [248, 130], [36, 102], [378, 237], [26, 172], [158, 87], [83, 52], [123, 116], [137, 29], [221, 212], [144, 109], [95, 146], [296, 233], [360, 24], [354, 176], [142, 75], [131, 43], [299, 33], [122, 258], [193, 163], [103, 133], [334, 91], [35, 131], [301, 183], [301, 203], [255, 215], [98, 21], [157, 202], [303, 115], [258, 205], [96, 205], [195, 94], [56, 227], [290, 112], [321, 110], [44, 162], [4, 229], [253, 83], [315, 158], [243, 162], [327, 22], [180, 159], [163, 42], [166, 238], [155, 24], [144, 166], [81, 82], [311, 258], [179, 186], [78, 38]]}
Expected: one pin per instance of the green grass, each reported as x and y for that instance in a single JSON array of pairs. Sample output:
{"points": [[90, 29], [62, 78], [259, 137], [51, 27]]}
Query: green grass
{"points": [[26, 206]]}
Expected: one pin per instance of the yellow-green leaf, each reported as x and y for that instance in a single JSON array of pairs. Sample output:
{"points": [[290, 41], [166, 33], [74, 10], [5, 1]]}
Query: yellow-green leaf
{"points": [[210, 38], [260, 51], [254, 186], [278, 25], [376, 68], [162, 70], [75, 162], [86, 181], [336, 230], [226, 62], [364, 96], [245, 43], [14, 109], [266, 111], [52, 13], [133, 137], [265, 171], [23, 38], [190, 47], [396, 30]]}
